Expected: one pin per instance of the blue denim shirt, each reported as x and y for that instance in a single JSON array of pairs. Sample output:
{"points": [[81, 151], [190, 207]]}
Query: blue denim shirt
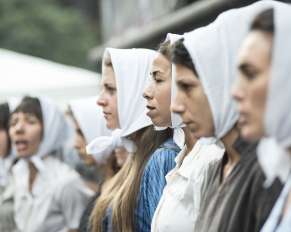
{"points": [[152, 184], [151, 187]]}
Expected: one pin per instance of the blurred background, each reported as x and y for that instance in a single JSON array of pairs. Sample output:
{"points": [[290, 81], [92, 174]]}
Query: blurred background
{"points": [[55, 47]]}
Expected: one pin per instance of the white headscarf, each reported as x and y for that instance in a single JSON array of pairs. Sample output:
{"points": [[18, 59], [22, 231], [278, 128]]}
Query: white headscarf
{"points": [[90, 118], [273, 156], [56, 131], [213, 50], [176, 120], [91, 121], [132, 70]]}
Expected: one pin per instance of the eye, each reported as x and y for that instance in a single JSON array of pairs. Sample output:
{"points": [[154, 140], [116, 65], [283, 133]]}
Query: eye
{"points": [[156, 77], [32, 120], [110, 89], [12, 122], [249, 72], [184, 86]]}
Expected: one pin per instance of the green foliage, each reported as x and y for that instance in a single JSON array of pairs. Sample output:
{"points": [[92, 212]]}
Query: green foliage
{"points": [[46, 29]]}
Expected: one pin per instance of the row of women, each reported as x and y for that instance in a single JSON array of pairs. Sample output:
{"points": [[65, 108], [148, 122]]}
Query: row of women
{"points": [[192, 137]]}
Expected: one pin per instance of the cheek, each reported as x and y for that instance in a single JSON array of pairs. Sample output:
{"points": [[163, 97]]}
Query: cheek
{"points": [[258, 95], [36, 134], [3, 143], [164, 96]]}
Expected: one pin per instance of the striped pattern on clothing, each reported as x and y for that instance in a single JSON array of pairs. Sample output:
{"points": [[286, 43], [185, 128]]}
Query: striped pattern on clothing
{"points": [[153, 182]]}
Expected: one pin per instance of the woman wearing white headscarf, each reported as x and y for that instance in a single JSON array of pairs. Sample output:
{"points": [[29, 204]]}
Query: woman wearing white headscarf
{"points": [[263, 94], [89, 124], [205, 70], [123, 206], [49, 196], [177, 209]]}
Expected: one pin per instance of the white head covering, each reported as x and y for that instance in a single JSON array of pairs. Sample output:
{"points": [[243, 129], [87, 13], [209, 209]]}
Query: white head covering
{"points": [[273, 156], [213, 50], [90, 118], [56, 131], [91, 121], [176, 120], [132, 70]]}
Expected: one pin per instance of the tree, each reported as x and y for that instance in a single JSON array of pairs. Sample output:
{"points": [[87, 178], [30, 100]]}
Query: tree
{"points": [[46, 29]]}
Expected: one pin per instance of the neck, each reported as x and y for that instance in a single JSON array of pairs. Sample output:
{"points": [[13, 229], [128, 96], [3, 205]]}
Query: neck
{"points": [[190, 140], [228, 141]]}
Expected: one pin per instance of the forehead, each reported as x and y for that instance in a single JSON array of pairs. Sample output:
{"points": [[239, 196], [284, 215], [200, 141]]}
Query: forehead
{"points": [[161, 63], [22, 115], [108, 75], [184, 73], [256, 48]]}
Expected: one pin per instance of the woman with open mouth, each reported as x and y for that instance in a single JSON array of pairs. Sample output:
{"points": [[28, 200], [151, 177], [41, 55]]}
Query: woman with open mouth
{"points": [[49, 195]]}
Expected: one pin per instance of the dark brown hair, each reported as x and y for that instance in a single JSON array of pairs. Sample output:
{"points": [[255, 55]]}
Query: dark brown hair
{"points": [[264, 21], [181, 56], [30, 105], [4, 122]]}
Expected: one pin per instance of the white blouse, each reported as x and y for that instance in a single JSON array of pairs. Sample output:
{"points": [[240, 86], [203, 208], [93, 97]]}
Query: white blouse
{"points": [[5, 165], [179, 205], [57, 201]]}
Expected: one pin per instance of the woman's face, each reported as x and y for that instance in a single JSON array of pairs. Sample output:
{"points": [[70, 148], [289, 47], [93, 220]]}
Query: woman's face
{"points": [[3, 143], [25, 131], [192, 104], [121, 155], [80, 145], [108, 97], [158, 93], [251, 89]]}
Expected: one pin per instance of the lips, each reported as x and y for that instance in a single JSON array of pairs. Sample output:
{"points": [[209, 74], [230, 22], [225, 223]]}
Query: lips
{"points": [[242, 120], [21, 145], [150, 107], [106, 114]]}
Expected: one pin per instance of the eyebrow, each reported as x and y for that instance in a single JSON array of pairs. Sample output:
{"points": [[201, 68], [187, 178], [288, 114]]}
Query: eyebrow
{"points": [[246, 67], [109, 85]]}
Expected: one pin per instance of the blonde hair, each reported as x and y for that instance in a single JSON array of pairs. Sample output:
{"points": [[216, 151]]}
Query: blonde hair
{"points": [[122, 191]]}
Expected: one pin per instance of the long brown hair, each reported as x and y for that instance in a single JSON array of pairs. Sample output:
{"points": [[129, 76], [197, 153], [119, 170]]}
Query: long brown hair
{"points": [[122, 191]]}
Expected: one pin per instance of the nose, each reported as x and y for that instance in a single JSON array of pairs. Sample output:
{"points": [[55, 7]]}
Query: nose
{"points": [[177, 106], [237, 93], [148, 93], [19, 127], [101, 101]]}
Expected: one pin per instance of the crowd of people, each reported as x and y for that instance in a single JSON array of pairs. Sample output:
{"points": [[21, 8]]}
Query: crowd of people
{"points": [[194, 136]]}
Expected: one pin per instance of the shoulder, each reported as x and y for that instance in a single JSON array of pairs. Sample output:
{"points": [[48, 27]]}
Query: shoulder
{"points": [[162, 160], [164, 155], [68, 181]]}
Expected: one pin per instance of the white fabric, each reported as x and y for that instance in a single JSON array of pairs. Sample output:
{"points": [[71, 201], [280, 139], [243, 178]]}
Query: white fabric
{"points": [[179, 205], [5, 166], [57, 200], [90, 118], [132, 69], [103, 146], [217, 69], [274, 159], [177, 123], [277, 117]]}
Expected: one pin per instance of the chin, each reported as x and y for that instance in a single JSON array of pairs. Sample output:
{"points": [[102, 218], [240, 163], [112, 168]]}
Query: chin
{"points": [[250, 134], [23, 155]]}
